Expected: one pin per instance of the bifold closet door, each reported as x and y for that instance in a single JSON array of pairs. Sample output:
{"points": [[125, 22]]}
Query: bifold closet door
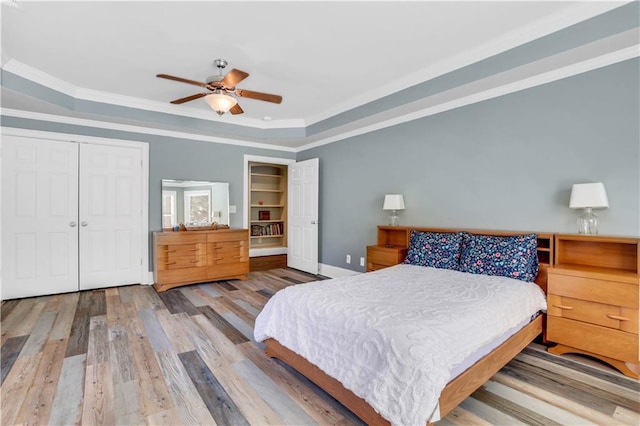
{"points": [[71, 216], [110, 216], [39, 217]]}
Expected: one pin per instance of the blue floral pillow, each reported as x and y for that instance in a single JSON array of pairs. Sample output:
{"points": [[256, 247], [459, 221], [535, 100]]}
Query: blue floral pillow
{"points": [[435, 249], [513, 257]]}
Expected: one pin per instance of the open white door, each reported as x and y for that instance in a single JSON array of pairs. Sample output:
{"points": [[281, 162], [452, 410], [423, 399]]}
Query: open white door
{"points": [[302, 250], [39, 217]]}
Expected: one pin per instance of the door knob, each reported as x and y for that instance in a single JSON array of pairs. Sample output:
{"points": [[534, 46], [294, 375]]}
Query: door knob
{"points": [[83, 223], [72, 224], [313, 222]]}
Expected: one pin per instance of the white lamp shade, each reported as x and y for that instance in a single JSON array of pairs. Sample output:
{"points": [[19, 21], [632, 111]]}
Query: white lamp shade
{"points": [[393, 202], [220, 102], [585, 195]]}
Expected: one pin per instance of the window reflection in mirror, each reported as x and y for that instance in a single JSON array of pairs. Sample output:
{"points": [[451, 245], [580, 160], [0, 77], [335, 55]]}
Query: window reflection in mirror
{"points": [[194, 203]]}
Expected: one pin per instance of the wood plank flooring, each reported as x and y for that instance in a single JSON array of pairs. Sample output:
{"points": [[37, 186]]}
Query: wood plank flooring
{"points": [[129, 355]]}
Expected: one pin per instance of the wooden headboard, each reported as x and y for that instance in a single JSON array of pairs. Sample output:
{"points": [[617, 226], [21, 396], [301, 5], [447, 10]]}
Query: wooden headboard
{"points": [[400, 235]]}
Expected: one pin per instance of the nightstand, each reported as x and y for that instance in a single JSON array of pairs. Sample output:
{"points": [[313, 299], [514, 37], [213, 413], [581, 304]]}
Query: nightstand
{"points": [[592, 299], [383, 256]]}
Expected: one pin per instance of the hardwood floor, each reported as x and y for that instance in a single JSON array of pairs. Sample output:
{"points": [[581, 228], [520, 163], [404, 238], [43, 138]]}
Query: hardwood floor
{"points": [[129, 355]]}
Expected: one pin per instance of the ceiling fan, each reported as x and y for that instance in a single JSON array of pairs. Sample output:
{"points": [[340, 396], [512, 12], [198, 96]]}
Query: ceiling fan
{"points": [[221, 88]]}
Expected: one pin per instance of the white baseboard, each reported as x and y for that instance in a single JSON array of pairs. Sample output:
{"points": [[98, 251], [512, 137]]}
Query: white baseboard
{"points": [[149, 280], [334, 271]]}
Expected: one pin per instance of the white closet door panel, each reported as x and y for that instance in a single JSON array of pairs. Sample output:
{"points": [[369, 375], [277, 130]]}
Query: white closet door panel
{"points": [[110, 216], [39, 217]]}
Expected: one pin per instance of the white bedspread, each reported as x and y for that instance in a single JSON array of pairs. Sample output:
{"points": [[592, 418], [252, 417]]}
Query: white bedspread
{"points": [[393, 336]]}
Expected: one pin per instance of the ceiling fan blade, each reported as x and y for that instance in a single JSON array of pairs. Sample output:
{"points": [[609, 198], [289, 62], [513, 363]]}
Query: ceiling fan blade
{"points": [[182, 80], [276, 99], [236, 109], [234, 77], [189, 98]]}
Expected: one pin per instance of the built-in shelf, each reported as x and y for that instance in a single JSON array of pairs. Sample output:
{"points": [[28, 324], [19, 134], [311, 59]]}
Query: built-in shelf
{"points": [[267, 205], [267, 175]]}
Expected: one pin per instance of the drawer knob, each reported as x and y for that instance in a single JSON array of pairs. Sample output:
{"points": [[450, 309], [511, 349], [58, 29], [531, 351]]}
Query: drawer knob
{"points": [[170, 263], [569, 308], [618, 317]]}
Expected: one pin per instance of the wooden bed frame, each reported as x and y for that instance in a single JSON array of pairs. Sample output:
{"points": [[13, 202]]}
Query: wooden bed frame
{"points": [[459, 388]]}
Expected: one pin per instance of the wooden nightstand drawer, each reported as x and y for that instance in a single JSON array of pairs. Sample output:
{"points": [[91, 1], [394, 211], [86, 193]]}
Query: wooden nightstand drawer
{"points": [[613, 292], [610, 316], [615, 344], [379, 257], [383, 257]]}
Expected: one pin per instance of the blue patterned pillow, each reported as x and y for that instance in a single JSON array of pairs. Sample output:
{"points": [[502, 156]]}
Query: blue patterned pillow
{"points": [[435, 249], [513, 257]]}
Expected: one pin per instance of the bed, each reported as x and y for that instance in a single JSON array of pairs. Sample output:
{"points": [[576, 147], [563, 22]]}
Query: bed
{"points": [[406, 344]]}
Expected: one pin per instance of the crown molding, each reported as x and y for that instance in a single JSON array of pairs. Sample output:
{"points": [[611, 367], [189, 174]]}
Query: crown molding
{"points": [[33, 74], [510, 40], [138, 129], [40, 77], [516, 85]]}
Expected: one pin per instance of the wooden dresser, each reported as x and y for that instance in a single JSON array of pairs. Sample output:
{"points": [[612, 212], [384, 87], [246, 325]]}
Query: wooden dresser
{"points": [[593, 299], [189, 257]]}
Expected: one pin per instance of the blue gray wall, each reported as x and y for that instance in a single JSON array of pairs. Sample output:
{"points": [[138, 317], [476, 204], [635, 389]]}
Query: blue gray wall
{"points": [[506, 163]]}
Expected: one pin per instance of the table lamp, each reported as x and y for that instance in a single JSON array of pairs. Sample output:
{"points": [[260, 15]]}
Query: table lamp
{"points": [[588, 196], [393, 202]]}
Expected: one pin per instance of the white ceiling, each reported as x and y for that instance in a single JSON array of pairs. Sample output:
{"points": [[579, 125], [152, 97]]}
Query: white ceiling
{"points": [[322, 57]]}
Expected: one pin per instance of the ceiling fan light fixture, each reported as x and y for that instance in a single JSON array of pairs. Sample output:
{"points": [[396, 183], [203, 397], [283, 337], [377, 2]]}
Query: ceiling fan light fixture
{"points": [[220, 102]]}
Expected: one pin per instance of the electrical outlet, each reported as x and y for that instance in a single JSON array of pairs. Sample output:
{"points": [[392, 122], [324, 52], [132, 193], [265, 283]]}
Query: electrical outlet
{"points": [[348, 258], [362, 261]]}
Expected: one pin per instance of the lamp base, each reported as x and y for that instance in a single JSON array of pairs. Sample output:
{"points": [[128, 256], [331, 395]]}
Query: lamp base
{"points": [[587, 222], [394, 219]]}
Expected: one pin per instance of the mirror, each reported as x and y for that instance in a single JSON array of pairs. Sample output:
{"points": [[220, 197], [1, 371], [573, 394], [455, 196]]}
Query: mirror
{"points": [[194, 203]]}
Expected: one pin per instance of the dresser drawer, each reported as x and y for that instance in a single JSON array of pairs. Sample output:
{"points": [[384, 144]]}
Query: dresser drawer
{"points": [[174, 250], [613, 292], [228, 270], [177, 262], [222, 235], [600, 340], [228, 247], [190, 275], [179, 238], [611, 316]]}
